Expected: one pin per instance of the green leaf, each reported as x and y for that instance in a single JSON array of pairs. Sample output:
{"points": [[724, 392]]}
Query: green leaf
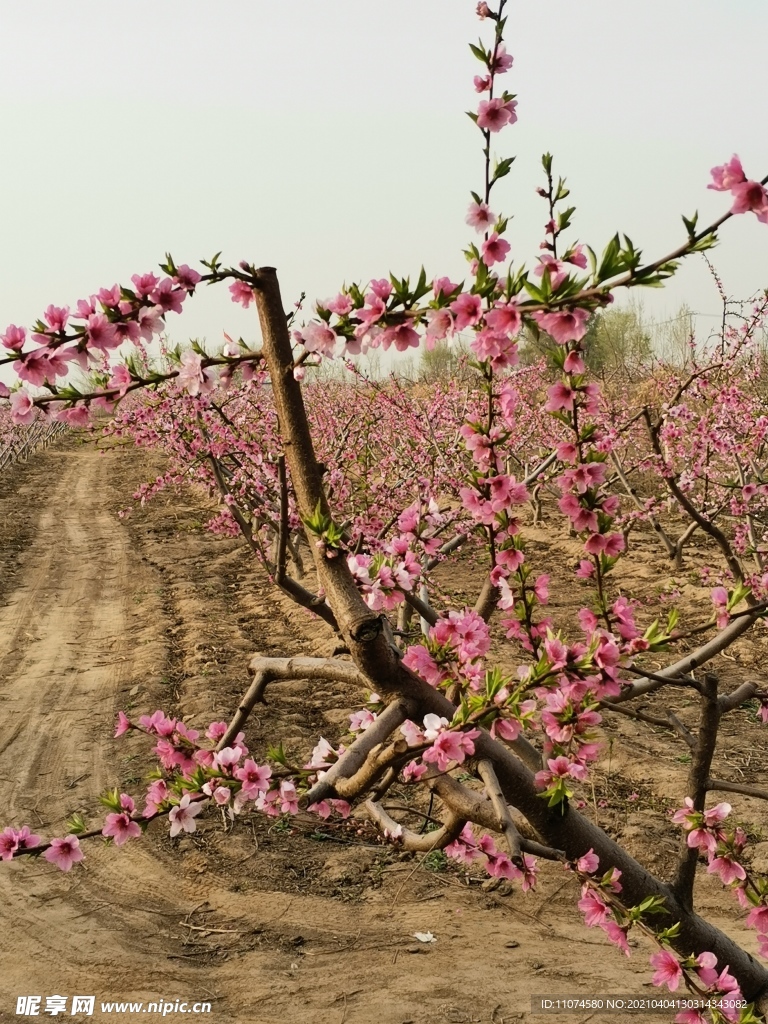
{"points": [[564, 218], [610, 264], [534, 291], [669, 933], [737, 595], [592, 259], [75, 824], [516, 282], [690, 225], [169, 266], [423, 286], [707, 242], [277, 754], [318, 522], [501, 168], [481, 53], [655, 278], [630, 255], [111, 799]]}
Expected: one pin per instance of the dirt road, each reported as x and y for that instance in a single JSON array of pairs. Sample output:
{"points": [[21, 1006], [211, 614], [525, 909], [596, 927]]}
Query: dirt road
{"points": [[67, 646], [266, 924]]}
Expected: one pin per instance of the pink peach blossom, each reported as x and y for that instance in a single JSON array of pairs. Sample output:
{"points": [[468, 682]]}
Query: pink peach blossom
{"points": [[144, 284], [467, 309], [123, 724], [64, 852], [57, 317], [23, 410], [402, 336], [564, 325], [727, 868], [183, 815], [186, 277], [501, 61], [242, 293], [668, 970], [724, 178], [750, 196], [493, 115], [589, 863], [494, 249], [121, 828], [9, 844], [168, 297], [319, 337], [595, 911], [14, 337], [479, 216]]}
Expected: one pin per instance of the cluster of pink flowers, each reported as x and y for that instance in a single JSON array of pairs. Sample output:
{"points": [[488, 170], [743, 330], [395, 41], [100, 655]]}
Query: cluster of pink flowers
{"points": [[468, 848], [747, 195], [454, 651], [601, 910], [383, 578], [88, 335], [719, 987], [706, 834], [419, 525], [597, 912], [389, 539], [448, 745], [12, 840], [194, 776]]}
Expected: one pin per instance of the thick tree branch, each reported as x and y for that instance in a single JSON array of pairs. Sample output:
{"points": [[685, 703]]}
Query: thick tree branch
{"points": [[268, 670], [720, 642], [415, 841], [366, 634], [728, 702], [698, 775], [355, 756], [426, 611]]}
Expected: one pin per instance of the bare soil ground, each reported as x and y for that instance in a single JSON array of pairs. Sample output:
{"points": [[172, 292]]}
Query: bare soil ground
{"points": [[268, 921]]}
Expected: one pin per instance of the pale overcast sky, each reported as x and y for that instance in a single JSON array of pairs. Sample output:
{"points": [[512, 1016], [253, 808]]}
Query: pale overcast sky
{"points": [[328, 138]]}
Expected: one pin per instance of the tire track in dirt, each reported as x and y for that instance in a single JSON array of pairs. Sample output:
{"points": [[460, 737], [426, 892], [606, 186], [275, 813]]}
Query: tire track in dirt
{"points": [[67, 646], [82, 624], [63, 642]]}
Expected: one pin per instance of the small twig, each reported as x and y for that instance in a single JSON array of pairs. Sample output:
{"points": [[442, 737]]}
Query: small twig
{"points": [[736, 787], [506, 825], [210, 931], [682, 730], [675, 680], [414, 841], [425, 610]]}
